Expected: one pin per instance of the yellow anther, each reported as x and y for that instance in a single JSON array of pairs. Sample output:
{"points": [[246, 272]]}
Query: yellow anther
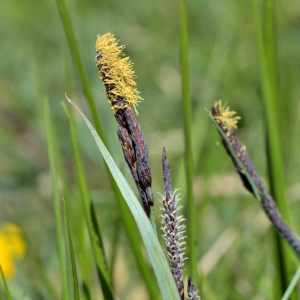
{"points": [[226, 117], [119, 71]]}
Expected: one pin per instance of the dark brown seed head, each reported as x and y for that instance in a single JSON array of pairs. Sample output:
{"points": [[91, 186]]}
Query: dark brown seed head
{"points": [[172, 229], [227, 122], [118, 78], [220, 114], [166, 174]]}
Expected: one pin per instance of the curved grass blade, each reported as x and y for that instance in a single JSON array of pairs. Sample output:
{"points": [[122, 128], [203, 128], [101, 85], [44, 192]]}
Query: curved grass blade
{"points": [[90, 218], [156, 255], [56, 202], [72, 281], [291, 286], [5, 285]]}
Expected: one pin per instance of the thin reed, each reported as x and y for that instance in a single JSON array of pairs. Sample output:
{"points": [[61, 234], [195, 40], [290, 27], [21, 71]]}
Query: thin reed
{"points": [[187, 119], [266, 43]]}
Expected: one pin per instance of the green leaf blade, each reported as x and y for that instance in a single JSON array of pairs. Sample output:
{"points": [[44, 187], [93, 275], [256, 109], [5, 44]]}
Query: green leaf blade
{"points": [[153, 248], [90, 218], [72, 281]]}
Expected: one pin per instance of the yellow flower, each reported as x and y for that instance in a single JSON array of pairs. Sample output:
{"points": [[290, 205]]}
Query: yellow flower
{"points": [[12, 248], [116, 72]]}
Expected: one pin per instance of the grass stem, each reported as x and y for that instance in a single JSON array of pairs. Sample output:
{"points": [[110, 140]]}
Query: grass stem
{"points": [[268, 67], [187, 119]]}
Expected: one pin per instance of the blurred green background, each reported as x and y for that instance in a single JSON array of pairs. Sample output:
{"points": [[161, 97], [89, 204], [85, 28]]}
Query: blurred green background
{"points": [[235, 247]]}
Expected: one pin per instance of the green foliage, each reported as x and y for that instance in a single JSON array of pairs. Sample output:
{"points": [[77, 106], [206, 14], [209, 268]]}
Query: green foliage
{"points": [[39, 61]]}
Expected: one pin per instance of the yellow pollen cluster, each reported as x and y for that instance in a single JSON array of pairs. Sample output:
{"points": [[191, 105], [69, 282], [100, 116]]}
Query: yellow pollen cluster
{"points": [[226, 117], [12, 247], [118, 71]]}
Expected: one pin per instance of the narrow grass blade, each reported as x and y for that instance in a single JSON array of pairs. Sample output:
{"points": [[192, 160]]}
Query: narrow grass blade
{"points": [[114, 246], [187, 119], [153, 248], [128, 222], [57, 207], [291, 286], [152, 219], [64, 14], [90, 218], [5, 285], [266, 51], [270, 41], [73, 290]]}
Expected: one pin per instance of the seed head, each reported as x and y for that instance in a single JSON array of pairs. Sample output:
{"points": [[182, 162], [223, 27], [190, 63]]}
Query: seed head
{"points": [[173, 236], [172, 228], [116, 73], [224, 116], [226, 121]]}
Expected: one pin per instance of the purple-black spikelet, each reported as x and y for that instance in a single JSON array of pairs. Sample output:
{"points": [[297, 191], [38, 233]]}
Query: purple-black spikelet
{"points": [[172, 228], [191, 290], [227, 122], [118, 78]]}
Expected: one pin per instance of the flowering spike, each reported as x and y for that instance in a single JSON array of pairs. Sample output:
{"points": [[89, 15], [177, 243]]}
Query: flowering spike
{"points": [[166, 174], [118, 77], [172, 228], [116, 73], [226, 122]]}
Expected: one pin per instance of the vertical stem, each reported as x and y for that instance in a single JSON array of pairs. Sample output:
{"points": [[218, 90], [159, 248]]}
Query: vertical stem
{"points": [[268, 69], [187, 118]]}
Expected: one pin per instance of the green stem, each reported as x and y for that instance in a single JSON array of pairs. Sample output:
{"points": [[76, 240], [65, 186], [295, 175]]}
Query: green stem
{"points": [[187, 118], [268, 69], [8, 296]]}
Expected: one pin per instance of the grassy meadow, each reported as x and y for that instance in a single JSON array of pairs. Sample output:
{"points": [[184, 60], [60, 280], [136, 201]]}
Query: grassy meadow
{"points": [[54, 182]]}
